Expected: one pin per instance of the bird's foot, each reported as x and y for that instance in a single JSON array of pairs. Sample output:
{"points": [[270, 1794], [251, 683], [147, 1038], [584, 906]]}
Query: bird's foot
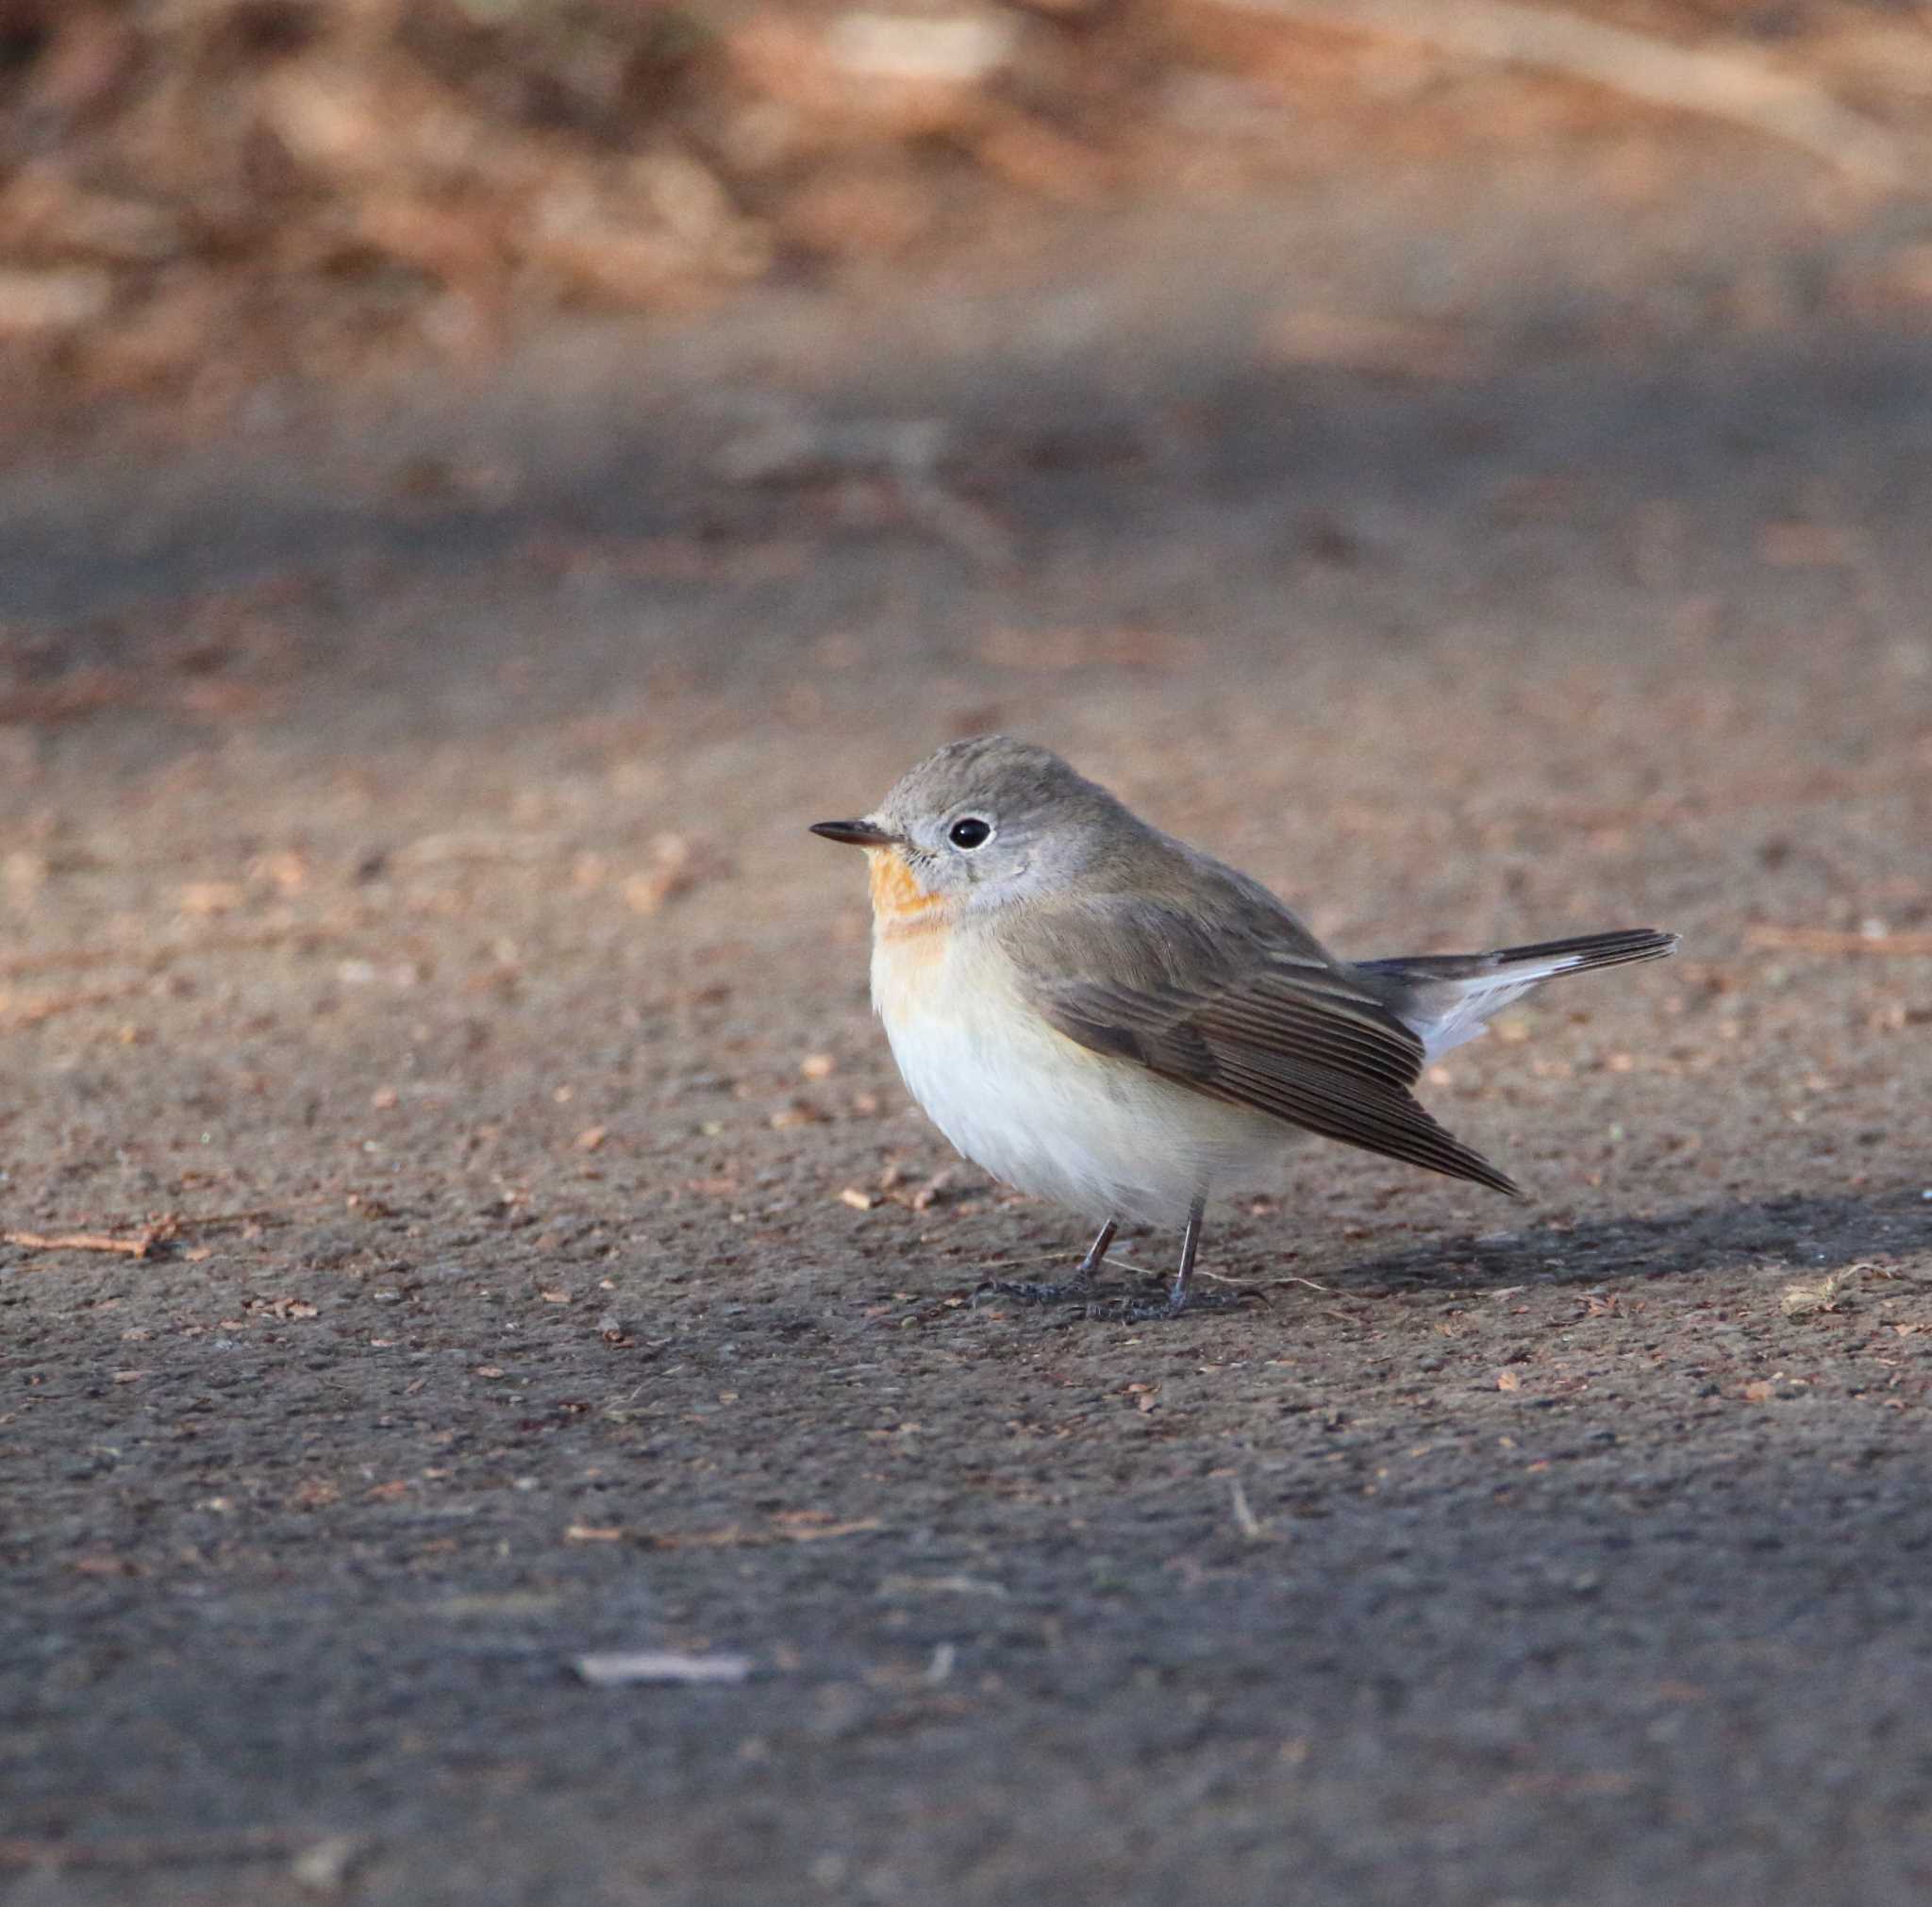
{"points": [[1079, 1289], [1177, 1304]]}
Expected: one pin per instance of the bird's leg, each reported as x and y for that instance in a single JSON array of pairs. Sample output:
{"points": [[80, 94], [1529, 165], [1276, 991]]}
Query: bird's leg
{"points": [[1181, 1297], [1191, 1244], [1061, 1289], [1088, 1268]]}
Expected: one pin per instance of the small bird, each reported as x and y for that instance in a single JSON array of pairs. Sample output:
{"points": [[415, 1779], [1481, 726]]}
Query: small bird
{"points": [[1102, 1015]]}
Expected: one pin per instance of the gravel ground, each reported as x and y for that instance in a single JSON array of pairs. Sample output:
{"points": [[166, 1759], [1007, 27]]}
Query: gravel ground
{"points": [[415, 947]]}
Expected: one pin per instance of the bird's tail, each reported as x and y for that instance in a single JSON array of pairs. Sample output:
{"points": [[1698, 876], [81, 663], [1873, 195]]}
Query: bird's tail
{"points": [[1447, 999]]}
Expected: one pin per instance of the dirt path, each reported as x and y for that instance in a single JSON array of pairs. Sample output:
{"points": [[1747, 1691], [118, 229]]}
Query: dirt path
{"points": [[410, 901]]}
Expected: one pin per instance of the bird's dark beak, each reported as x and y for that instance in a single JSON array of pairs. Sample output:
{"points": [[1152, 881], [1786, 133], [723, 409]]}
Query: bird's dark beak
{"points": [[855, 833]]}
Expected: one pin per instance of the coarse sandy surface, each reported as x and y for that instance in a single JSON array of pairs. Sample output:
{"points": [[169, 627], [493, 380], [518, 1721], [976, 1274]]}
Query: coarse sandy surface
{"points": [[411, 930]]}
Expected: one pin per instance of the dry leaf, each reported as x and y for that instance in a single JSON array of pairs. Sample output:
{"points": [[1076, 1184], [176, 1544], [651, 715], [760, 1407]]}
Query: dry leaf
{"points": [[808, 1526], [619, 1669], [205, 897], [1808, 1300], [798, 1112]]}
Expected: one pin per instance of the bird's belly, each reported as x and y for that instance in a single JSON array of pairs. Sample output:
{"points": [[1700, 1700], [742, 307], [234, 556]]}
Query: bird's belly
{"points": [[1104, 1136]]}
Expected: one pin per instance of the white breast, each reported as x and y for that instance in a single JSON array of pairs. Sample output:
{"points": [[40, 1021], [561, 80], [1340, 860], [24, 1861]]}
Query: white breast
{"points": [[1104, 1136]]}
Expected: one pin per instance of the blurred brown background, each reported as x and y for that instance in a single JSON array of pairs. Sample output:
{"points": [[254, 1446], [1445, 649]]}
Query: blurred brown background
{"points": [[330, 188]]}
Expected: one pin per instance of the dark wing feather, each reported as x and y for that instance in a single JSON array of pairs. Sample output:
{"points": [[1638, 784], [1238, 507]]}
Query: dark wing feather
{"points": [[1230, 1016]]}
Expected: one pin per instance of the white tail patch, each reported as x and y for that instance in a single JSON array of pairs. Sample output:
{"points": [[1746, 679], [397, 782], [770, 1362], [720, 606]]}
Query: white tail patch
{"points": [[1457, 1010]]}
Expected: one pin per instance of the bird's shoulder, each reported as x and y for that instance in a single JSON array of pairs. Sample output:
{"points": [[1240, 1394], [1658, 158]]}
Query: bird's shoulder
{"points": [[1172, 917]]}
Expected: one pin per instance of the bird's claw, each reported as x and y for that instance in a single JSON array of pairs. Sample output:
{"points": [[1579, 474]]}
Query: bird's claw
{"points": [[1033, 1291], [1158, 1310]]}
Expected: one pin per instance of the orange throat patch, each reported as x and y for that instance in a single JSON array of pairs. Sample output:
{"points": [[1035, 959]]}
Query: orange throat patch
{"points": [[899, 904]]}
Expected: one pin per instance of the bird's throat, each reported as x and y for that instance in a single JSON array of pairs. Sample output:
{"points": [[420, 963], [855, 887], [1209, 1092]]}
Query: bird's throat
{"points": [[899, 904]]}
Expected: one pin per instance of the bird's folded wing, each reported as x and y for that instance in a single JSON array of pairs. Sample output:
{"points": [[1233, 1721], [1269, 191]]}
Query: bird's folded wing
{"points": [[1243, 1022]]}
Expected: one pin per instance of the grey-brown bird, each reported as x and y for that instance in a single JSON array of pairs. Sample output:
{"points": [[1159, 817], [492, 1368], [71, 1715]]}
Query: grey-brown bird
{"points": [[1101, 1015]]}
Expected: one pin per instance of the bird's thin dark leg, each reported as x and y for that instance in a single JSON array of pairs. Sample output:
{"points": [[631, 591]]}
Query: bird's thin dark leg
{"points": [[1191, 1244], [1096, 1253], [1181, 1295], [1061, 1291]]}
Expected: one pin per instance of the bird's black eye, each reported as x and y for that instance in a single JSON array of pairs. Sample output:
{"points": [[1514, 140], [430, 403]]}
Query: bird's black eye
{"points": [[970, 832]]}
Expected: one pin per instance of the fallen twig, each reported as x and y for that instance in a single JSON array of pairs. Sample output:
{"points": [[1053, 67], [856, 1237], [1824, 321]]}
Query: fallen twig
{"points": [[1245, 1520], [64, 959], [261, 1215], [163, 1229], [137, 1246], [156, 957], [734, 1537], [247, 1843], [36, 1012], [1728, 83], [1824, 940]]}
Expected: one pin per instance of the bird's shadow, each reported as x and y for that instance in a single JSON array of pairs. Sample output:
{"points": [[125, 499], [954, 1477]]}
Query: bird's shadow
{"points": [[1800, 1233]]}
